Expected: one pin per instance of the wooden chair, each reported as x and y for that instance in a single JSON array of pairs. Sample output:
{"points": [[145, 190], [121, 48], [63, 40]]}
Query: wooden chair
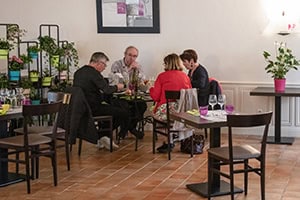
{"points": [[34, 145], [163, 127], [240, 154], [63, 124], [83, 125]]}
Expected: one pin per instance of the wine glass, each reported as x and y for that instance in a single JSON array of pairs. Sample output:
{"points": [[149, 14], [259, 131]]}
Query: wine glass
{"points": [[221, 100], [212, 100]]}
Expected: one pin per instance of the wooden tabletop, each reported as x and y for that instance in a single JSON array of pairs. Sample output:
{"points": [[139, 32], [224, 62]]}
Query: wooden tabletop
{"points": [[197, 121], [270, 91]]}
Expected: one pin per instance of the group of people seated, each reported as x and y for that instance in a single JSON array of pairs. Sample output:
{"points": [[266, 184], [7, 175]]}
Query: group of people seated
{"points": [[98, 91]]}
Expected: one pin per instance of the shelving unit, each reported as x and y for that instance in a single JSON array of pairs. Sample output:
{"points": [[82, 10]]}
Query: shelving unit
{"points": [[42, 62]]}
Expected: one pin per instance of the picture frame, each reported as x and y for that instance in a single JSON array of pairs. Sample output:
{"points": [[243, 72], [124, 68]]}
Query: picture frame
{"points": [[128, 16]]}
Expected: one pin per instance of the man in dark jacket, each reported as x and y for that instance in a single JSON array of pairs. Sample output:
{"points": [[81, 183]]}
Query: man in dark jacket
{"points": [[96, 89]]}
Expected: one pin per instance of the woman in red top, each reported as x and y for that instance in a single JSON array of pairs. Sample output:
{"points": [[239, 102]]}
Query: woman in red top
{"points": [[171, 79]]}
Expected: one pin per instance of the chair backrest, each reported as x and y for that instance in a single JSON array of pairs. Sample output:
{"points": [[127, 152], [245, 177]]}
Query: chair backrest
{"points": [[45, 110], [64, 114], [214, 87], [82, 123], [249, 120], [171, 96]]}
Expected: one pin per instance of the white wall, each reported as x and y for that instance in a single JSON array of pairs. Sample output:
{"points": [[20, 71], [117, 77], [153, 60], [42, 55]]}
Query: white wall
{"points": [[228, 34]]}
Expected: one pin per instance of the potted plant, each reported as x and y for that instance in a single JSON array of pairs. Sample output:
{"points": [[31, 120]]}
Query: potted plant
{"points": [[46, 81], [34, 96], [3, 80], [33, 51], [15, 64], [70, 53], [34, 75], [4, 48], [14, 34], [284, 61], [50, 46], [26, 86], [62, 69]]}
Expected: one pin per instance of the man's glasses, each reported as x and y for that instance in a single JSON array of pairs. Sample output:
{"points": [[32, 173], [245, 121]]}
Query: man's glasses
{"points": [[103, 63], [132, 55]]}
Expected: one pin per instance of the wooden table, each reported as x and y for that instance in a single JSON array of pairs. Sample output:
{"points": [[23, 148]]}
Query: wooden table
{"points": [[269, 91], [7, 178], [219, 187]]}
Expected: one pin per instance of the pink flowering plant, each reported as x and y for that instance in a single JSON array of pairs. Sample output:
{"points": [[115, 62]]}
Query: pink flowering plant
{"points": [[15, 63]]}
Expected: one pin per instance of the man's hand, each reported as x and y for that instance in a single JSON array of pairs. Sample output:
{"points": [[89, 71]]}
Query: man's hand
{"points": [[120, 86], [134, 65]]}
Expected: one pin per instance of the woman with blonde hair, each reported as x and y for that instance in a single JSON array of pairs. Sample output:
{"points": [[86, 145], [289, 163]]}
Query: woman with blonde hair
{"points": [[173, 78]]}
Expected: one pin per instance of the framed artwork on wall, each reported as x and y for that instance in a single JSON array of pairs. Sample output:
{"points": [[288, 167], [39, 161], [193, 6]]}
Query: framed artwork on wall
{"points": [[128, 16]]}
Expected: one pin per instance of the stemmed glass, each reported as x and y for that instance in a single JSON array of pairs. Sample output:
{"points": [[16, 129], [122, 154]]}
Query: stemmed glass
{"points": [[221, 100], [212, 100]]}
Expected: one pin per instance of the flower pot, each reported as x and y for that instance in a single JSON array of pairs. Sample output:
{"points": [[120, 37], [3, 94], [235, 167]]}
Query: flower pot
{"points": [[35, 102], [54, 60], [279, 85], [3, 53], [14, 75], [34, 76], [33, 55], [46, 81]]}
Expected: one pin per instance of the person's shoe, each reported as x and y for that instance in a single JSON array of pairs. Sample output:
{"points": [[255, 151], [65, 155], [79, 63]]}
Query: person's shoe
{"points": [[164, 148], [137, 134], [122, 135], [105, 141], [99, 144]]}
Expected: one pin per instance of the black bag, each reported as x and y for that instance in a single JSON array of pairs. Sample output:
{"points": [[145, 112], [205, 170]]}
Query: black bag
{"points": [[198, 144]]}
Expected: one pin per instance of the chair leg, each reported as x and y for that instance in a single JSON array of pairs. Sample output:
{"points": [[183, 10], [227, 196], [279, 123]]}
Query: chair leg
{"points": [[169, 146], [79, 147], [205, 133], [209, 178], [27, 166], [262, 180], [54, 167], [140, 129], [17, 164], [192, 147], [153, 137], [67, 152], [231, 181], [246, 177], [111, 137]]}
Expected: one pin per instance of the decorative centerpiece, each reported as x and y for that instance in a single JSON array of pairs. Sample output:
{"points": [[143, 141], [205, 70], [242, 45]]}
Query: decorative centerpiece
{"points": [[283, 63]]}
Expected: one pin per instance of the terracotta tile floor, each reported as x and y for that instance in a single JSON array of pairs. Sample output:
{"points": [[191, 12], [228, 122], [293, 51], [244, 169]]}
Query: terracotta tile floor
{"points": [[126, 174]]}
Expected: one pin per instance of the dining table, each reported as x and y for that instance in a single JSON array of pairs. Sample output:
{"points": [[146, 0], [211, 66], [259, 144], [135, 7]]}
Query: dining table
{"points": [[6, 177], [270, 91], [213, 121]]}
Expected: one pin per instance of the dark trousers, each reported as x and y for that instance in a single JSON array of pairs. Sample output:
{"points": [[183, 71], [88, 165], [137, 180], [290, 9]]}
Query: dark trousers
{"points": [[119, 110], [137, 110]]}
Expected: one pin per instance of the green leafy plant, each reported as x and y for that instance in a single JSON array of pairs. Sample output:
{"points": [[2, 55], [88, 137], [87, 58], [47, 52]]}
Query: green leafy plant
{"points": [[49, 45], [284, 61], [34, 94], [26, 59], [15, 63], [61, 67], [60, 86], [26, 83], [3, 80], [33, 49], [71, 53], [4, 44], [46, 72]]}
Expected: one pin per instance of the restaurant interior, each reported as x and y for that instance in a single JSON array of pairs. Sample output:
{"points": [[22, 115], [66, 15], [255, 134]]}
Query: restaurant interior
{"points": [[230, 38]]}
